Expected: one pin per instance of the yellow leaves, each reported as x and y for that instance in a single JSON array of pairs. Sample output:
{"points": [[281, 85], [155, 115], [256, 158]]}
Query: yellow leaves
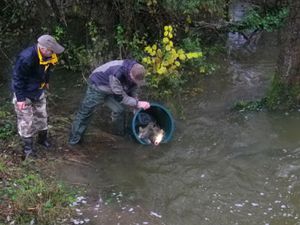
{"points": [[168, 35], [173, 67], [168, 28], [189, 55], [151, 50], [152, 53], [144, 60], [159, 53], [166, 40], [202, 69], [162, 70], [151, 3], [182, 57], [163, 58], [168, 32], [146, 49], [180, 52], [188, 19], [170, 61], [147, 60], [173, 51], [194, 55]]}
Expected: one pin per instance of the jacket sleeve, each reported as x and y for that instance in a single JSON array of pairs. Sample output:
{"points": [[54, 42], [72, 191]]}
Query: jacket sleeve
{"points": [[117, 89], [19, 78], [134, 92]]}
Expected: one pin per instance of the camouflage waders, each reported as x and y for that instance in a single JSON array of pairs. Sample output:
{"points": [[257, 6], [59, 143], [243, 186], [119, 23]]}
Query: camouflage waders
{"points": [[93, 98], [33, 118]]}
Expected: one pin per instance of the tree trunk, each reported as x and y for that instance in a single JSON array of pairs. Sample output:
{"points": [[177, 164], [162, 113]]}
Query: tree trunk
{"points": [[289, 56]]}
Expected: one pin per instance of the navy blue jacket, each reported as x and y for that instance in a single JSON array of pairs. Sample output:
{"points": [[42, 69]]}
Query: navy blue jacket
{"points": [[29, 75]]}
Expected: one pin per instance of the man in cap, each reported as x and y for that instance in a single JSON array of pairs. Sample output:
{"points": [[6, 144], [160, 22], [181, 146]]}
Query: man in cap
{"points": [[30, 78], [114, 83]]}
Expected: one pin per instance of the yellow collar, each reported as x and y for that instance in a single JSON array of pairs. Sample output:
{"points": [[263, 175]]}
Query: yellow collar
{"points": [[53, 60]]}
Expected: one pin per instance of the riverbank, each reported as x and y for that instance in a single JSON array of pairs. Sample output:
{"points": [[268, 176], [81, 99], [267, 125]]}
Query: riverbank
{"points": [[30, 194], [36, 191], [30, 191]]}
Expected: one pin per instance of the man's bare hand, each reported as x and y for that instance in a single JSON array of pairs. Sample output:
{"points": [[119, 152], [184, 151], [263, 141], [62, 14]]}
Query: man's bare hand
{"points": [[21, 105], [143, 105]]}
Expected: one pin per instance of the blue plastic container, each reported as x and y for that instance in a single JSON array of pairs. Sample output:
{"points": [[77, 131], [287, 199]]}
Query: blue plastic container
{"points": [[157, 113]]}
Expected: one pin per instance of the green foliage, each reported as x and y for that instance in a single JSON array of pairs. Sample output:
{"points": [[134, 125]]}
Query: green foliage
{"points": [[268, 20], [35, 198], [280, 96], [120, 38], [258, 105], [7, 128], [58, 32], [2, 166], [164, 62], [163, 58], [168, 66], [195, 6], [14, 16], [129, 47], [198, 65], [79, 56], [276, 94], [92, 54], [277, 97]]}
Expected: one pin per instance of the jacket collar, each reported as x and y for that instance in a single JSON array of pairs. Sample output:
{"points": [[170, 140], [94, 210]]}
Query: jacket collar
{"points": [[51, 60]]}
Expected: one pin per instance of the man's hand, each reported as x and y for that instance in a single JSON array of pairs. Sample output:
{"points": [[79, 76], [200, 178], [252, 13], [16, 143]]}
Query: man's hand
{"points": [[21, 105], [143, 105]]}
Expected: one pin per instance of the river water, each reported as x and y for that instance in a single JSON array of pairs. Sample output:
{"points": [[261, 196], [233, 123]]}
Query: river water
{"points": [[222, 167]]}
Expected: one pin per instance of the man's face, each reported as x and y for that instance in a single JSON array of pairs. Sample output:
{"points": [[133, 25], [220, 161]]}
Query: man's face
{"points": [[46, 52]]}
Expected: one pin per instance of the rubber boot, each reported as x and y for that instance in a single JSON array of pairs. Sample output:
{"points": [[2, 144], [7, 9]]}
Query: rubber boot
{"points": [[28, 149], [43, 139]]}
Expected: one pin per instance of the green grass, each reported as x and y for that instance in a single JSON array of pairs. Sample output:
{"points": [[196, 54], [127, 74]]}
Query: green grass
{"points": [[2, 166], [28, 196], [7, 121]]}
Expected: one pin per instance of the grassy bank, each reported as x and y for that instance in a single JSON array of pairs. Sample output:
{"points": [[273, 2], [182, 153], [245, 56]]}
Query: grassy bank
{"points": [[29, 192]]}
